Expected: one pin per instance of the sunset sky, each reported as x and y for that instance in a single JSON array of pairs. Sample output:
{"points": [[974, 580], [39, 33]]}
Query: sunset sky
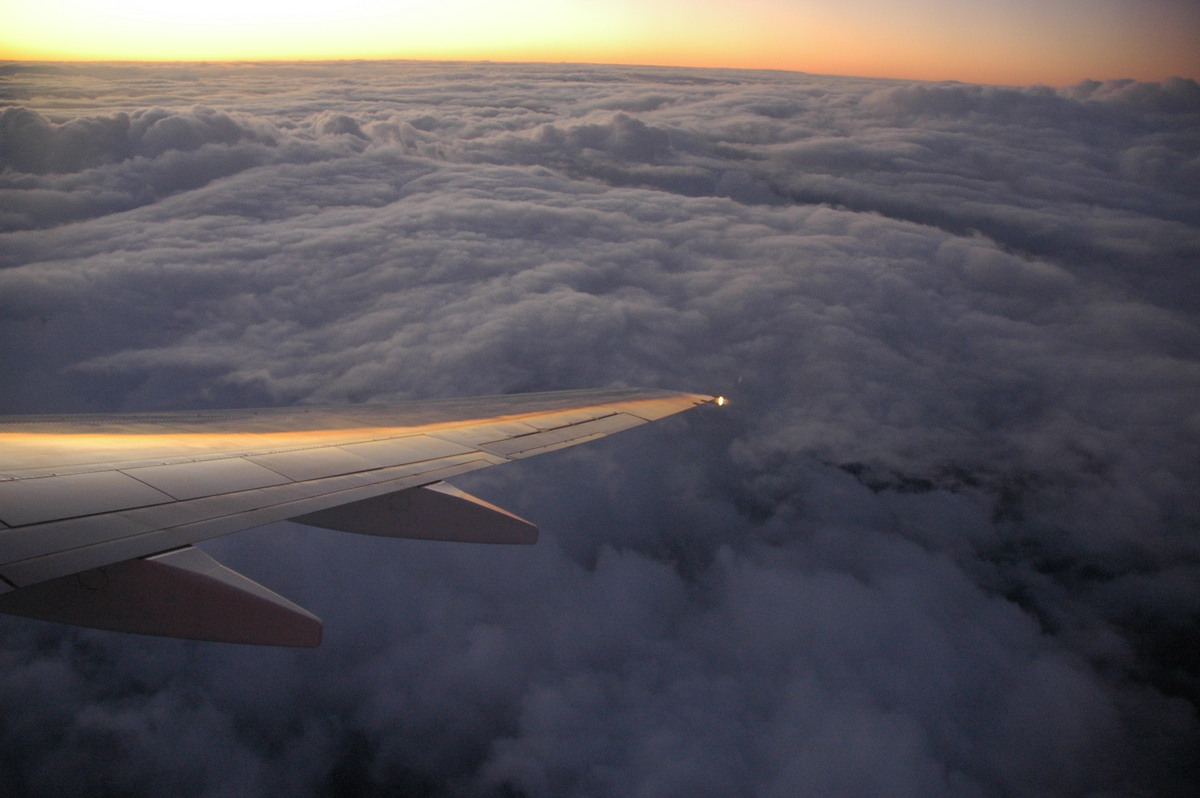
{"points": [[1055, 42]]}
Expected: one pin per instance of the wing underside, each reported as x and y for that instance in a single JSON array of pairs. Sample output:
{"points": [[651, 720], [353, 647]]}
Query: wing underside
{"points": [[98, 513]]}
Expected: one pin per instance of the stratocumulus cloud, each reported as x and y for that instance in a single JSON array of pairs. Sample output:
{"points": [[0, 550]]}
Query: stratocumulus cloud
{"points": [[942, 542]]}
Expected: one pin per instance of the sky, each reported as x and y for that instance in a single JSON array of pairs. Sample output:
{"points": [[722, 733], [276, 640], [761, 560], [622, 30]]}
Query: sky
{"points": [[943, 541], [1018, 42]]}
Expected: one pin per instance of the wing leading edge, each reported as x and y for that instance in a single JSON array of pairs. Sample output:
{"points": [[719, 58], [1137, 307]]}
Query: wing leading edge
{"points": [[98, 513]]}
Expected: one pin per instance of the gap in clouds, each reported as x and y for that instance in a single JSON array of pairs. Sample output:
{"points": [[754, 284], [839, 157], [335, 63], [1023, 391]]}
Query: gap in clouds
{"points": [[942, 542]]}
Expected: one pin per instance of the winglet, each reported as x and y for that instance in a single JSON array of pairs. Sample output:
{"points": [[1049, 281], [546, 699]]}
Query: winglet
{"points": [[179, 593]]}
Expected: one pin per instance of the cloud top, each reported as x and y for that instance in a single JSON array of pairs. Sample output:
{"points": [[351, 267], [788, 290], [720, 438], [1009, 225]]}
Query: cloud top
{"points": [[941, 542]]}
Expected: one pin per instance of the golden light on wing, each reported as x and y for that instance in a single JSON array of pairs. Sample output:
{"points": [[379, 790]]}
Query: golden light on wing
{"points": [[73, 446], [46, 450]]}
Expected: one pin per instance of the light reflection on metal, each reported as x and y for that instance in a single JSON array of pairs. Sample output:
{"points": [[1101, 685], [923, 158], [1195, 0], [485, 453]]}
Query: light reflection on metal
{"points": [[146, 441], [119, 493]]}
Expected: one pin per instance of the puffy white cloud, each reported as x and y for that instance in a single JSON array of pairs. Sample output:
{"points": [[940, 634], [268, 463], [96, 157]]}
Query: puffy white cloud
{"points": [[942, 542]]}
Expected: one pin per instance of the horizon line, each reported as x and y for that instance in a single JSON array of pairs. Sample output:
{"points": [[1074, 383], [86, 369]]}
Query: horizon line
{"points": [[548, 62]]}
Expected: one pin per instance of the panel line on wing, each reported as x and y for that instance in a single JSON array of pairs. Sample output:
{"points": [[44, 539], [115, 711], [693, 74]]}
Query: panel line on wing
{"points": [[207, 477], [168, 480], [553, 447], [301, 465], [568, 418], [605, 425], [387, 452], [80, 531], [60, 560], [32, 501]]}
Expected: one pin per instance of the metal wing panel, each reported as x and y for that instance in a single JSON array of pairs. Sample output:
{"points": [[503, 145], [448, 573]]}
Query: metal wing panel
{"points": [[25, 543], [554, 447], [605, 425], [566, 418], [406, 449], [265, 465], [652, 408], [305, 464], [485, 433], [76, 544], [31, 501], [207, 477], [82, 493]]}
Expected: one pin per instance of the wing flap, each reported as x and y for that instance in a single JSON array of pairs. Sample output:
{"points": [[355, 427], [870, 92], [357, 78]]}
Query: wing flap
{"points": [[180, 593]]}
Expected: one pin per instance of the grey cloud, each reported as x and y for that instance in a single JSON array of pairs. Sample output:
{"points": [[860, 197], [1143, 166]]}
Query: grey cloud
{"points": [[942, 542], [30, 143]]}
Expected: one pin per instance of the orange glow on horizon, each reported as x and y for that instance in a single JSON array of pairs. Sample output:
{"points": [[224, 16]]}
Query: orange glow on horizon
{"points": [[1056, 42]]}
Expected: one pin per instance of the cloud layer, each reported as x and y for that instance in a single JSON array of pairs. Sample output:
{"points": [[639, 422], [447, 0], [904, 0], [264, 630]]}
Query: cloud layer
{"points": [[942, 542]]}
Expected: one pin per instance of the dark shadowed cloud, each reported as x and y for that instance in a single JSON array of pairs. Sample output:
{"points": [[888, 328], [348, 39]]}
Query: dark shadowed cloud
{"points": [[943, 542]]}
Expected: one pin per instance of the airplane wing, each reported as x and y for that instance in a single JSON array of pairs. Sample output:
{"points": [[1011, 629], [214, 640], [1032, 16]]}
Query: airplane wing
{"points": [[98, 513]]}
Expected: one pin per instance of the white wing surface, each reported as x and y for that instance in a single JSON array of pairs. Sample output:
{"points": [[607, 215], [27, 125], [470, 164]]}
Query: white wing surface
{"points": [[98, 513]]}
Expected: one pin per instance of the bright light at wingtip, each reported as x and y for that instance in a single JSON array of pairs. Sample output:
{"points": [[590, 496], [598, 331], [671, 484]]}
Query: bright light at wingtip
{"points": [[720, 401]]}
